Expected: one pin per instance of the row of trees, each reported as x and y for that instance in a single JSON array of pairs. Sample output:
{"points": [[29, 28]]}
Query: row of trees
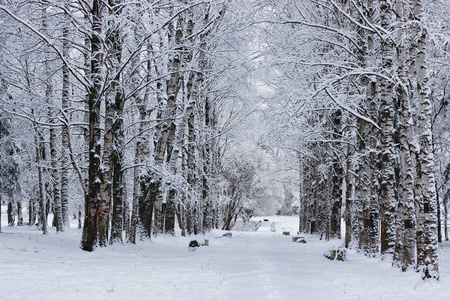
{"points": [[128, 109], [362, 122], [142, 109], [114, 95]]}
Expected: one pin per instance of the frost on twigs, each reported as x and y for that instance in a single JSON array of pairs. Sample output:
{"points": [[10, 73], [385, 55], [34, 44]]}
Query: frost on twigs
{"points": [[336, 254]]}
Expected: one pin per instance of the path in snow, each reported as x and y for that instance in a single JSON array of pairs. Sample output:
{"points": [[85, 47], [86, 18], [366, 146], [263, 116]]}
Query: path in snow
{"points": [[249, 265]]}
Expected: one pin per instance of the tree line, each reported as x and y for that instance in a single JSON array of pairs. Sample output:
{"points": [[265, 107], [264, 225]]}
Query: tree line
{"points": [[363, 119], [107, 95]]}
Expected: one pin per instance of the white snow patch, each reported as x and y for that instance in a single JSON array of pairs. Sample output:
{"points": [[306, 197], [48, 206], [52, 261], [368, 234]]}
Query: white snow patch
{"points": [[249, 265]]}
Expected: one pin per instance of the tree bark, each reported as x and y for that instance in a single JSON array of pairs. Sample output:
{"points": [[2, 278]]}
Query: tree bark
{"points": [[42, 222], [19, 213], [142, 144], [445, 202], [387, 115], [116, 153], [65, 105], [93, 212], [10, 213], [427, 250], [404, 252]]}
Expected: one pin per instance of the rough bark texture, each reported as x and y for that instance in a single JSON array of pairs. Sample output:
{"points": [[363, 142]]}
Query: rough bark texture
{"points": [[65, 159], [427, 251], [93, 213], [117, 164], [303, 209], [387, 114], [116, 153], [445, 203], [337, 180], [404, 255], [373, 166], [55, 175], [149, 190], [104, 205], [10, 213], [349, 199], [19, 213], [42, 207]]}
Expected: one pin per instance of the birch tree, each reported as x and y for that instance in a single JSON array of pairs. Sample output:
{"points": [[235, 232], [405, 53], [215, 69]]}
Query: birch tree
{"points": [[427, 242]]}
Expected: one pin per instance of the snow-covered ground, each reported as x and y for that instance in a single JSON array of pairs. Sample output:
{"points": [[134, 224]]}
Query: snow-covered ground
{"points": [[249, 265]]}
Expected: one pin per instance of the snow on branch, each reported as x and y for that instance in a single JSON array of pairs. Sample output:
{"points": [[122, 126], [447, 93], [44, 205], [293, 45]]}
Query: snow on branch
{"points": [[47, 40], [350, 110]]}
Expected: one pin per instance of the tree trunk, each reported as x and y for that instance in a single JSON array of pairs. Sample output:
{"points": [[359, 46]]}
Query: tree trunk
{"points": [[427, 249], [32, 212], [373, 165], [19, 213], [349, 187], [404, 252], [117, 215], [42, 205], [438, 212], [387, 115], [117, 165], [141, 148], [65, 159], [126, 207], [93, 212], [135, 203], [303, 209], [56, 197], [55, 176], [115, 120], [207, 164], [40, 152], [191, 174], [104, 204], [446, 196], [118, 180], [149, 190], [10, 212]]}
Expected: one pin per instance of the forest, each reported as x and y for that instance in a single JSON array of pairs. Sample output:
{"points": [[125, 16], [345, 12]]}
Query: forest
{"points": [[135, 119]]}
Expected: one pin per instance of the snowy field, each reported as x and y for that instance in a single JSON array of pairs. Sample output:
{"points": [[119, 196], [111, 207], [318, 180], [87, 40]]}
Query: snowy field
{"points": [[249, 265]]}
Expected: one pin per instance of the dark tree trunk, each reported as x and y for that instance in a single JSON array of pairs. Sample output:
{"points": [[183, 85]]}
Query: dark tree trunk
{"points": [[19, 214], [93, 213], [147, 197], [169, 224], [65, 159], [387, 115], [10, 212], [118, 180]]}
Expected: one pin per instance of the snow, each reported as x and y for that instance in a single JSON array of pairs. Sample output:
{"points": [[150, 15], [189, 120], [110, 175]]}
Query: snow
{"points": [[249, 265]]}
